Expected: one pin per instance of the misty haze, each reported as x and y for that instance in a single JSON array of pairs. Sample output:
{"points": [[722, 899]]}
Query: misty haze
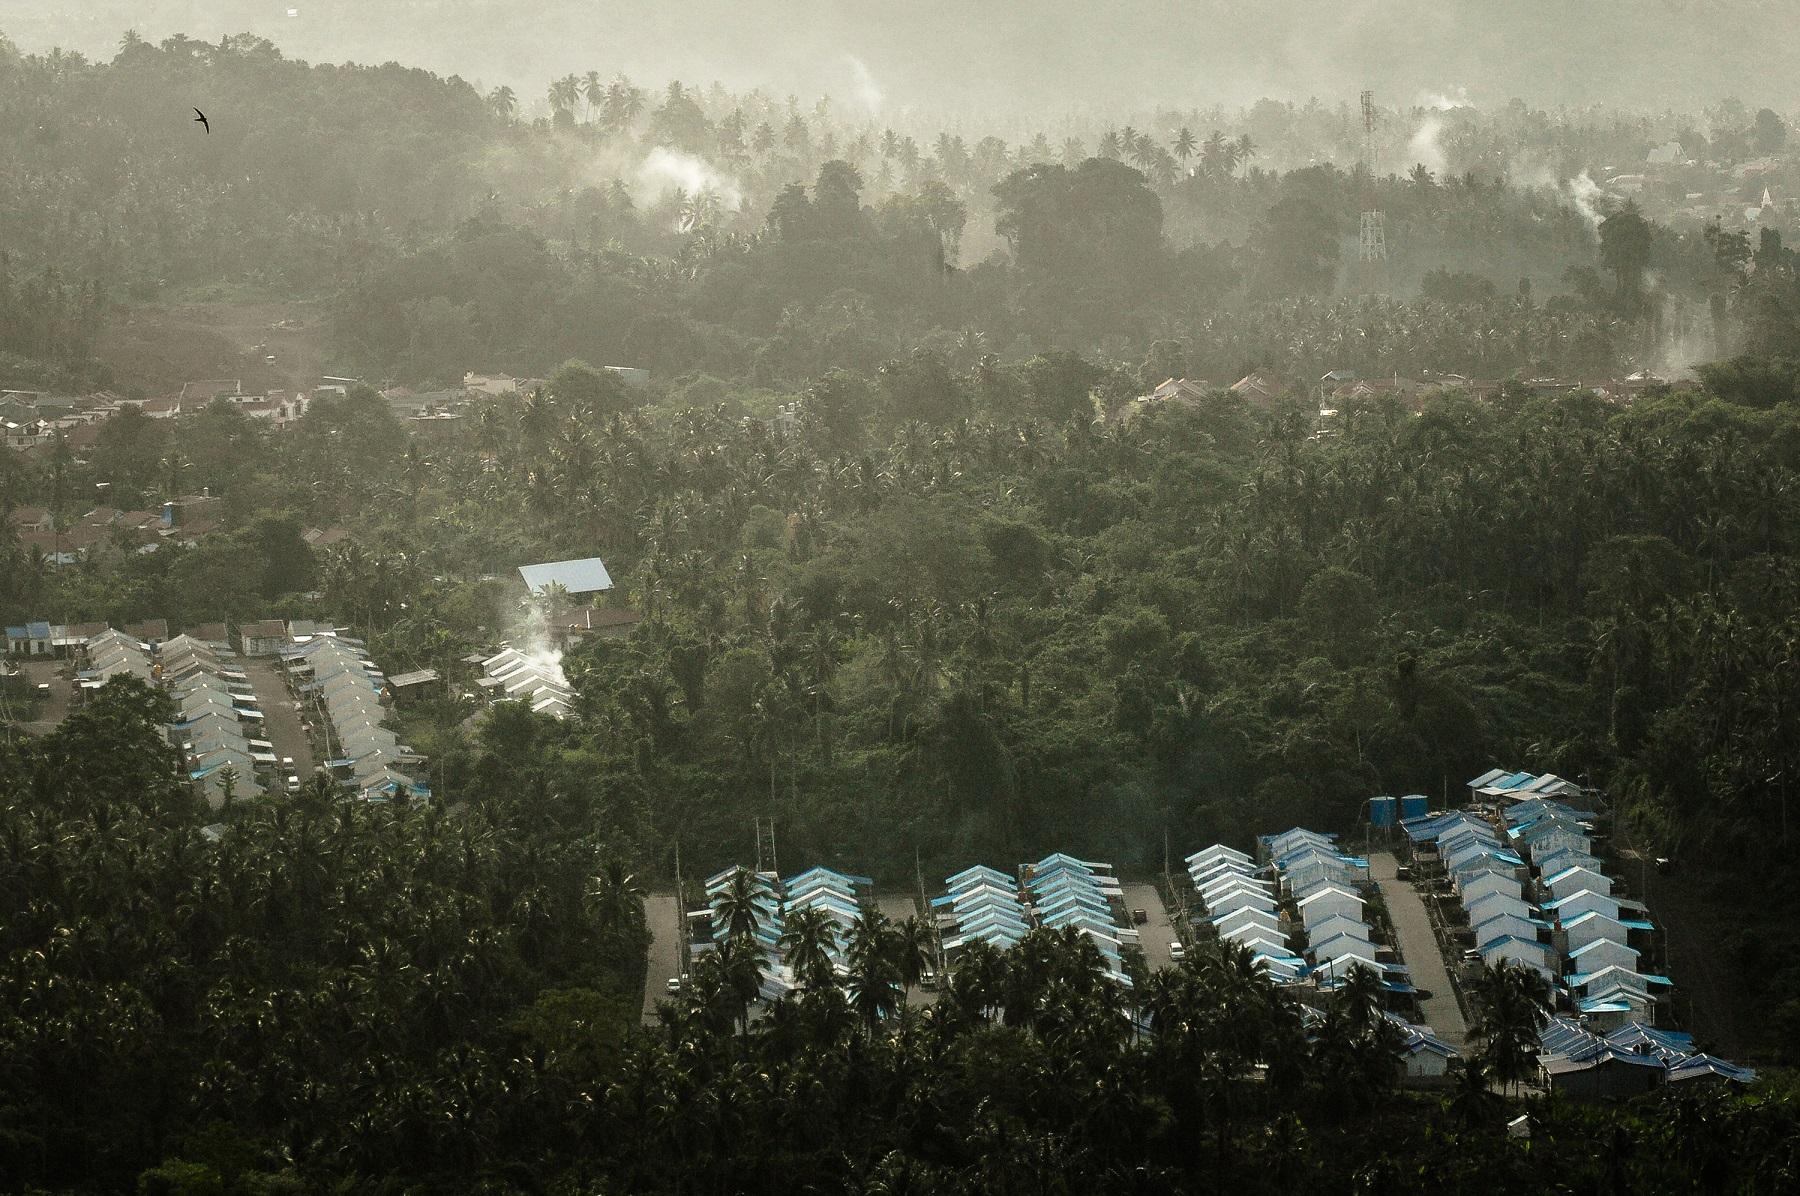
{"points": [[822, 597]]}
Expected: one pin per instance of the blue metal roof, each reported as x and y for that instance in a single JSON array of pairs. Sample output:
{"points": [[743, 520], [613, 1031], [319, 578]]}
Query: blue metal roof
{"points": [[585, 576]]}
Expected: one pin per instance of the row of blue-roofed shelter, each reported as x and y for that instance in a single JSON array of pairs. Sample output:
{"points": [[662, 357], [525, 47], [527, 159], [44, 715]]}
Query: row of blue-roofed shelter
{"points": [[773, 901], [1239, 906], [980, 905], [1064, 892], [1488, 879], [840, 897], [1593, 928], [1324, 884], [336, 672], [219, 721], [765, 914]]}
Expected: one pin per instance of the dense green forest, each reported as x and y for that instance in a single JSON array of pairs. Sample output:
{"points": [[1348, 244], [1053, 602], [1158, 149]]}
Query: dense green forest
{"points": [[314, 994], [703, 233], [917, 581]]}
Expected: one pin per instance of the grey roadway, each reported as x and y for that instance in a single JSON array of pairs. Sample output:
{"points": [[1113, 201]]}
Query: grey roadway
{"points": [[281, 713], [660, 913], [1158, 932], [1419, 948]]}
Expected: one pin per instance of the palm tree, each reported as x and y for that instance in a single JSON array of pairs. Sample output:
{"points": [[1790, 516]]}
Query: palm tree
{"points": [[915, 949], [624, 101], [1217, 155], [741, 903], [593, 91], [613, 894], [564, 94], [1512, 1003], [874, 980], [1245, 150], [1473, 1100], [503, 102], [739, 964], [1185, 145], [809, 940]]}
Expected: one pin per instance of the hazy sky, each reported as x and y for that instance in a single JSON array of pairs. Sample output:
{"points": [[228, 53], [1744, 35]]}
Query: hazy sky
{"points": [[1018, 56]]}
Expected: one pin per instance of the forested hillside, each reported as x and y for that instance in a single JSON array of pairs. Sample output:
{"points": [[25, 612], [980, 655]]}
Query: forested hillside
{"points": [[699, 232]]}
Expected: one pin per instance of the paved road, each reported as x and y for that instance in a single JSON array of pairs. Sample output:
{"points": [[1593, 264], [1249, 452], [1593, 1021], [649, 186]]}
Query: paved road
{"points": [[661, 913], [1156, 934], [898, 906], [281, 713], [1419, 949]]}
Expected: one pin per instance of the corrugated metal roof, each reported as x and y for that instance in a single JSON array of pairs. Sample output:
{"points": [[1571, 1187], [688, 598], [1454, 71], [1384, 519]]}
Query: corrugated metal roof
{"points": [[585, 576]]}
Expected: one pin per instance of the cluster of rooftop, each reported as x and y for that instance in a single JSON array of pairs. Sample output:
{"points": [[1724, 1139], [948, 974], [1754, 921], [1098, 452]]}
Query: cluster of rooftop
{"points": [[985, 905], [1240, 907], [43, 638], [763, 902], [218, 718], [334, 673], [1062, 892], [1523, 864], [981, 904], [1324, 885], [220, 721], [105, 531], [535, 678], [1630, 1059]]}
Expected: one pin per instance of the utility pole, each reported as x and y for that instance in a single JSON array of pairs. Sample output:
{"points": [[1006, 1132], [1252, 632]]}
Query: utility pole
{"points": [[774, 864], [681, 935]]}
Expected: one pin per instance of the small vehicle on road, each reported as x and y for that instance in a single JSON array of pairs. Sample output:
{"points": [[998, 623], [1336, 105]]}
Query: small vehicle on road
{"points": [[928, 980], [673, 987], [1140, 916], [1177, 952]]}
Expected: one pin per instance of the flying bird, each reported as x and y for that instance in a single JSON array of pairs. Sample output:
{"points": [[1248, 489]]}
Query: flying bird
{"points": [[200, 119]]}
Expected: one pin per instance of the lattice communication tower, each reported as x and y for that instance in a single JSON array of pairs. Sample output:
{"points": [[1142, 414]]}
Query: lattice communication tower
{"points": [[1372, 244]]}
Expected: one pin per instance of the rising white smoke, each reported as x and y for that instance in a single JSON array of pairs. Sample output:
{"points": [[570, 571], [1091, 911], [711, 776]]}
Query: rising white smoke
{"points": [[664, 170], [1585, 194], [1456, 97], [868, 92], [531, 636], [1425, 148]]}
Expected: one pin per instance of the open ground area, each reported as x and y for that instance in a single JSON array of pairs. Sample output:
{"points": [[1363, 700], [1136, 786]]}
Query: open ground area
{"points": [[53, 706], [161, 347]]}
